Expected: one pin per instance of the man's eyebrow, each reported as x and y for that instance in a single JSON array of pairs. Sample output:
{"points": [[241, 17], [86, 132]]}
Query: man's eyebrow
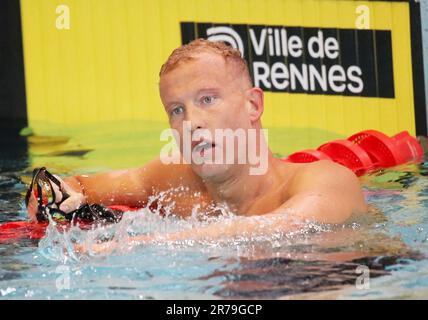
{"points": [[207, 90], [169, 104]]}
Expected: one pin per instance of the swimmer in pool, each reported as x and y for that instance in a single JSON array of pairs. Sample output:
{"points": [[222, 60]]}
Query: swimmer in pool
{"points": [[206, 86]]}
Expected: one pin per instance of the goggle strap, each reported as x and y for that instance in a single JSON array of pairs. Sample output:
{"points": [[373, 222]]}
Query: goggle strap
{"points": [[36, 172], [52, 178]]}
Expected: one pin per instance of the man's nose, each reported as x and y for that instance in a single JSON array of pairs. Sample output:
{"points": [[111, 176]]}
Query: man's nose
{"points": [[196, 117]]}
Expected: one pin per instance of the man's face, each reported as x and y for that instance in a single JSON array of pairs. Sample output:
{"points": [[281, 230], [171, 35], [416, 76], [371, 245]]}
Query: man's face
{"points": [[210, 93]]}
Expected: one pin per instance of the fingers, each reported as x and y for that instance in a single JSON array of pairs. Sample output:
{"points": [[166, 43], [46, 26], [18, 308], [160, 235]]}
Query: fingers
{"points": [[104, 247], [32, 207], [64, 186], [74, 202], [96, 248], [58, 193]]}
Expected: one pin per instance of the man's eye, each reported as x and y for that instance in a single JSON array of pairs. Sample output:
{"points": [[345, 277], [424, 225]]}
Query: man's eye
{"points": [[208, 99], [177, 110]]}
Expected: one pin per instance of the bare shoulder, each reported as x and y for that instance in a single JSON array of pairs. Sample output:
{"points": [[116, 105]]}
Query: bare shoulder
{"points": [[329, 179], [324, 173]]}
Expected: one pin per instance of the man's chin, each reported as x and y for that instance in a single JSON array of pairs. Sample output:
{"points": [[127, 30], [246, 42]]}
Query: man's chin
{"points": [[206, 171]]}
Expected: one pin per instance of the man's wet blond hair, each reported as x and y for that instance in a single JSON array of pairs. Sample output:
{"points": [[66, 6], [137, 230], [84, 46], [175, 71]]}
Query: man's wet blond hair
{"points": [[187, 53]]}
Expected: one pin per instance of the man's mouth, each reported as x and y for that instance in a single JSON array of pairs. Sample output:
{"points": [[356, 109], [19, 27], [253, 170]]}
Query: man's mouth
{"points": [[202, 147]]}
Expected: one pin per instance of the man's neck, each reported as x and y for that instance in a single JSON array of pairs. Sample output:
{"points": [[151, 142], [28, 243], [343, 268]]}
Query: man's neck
{"points": [[239, 189]]}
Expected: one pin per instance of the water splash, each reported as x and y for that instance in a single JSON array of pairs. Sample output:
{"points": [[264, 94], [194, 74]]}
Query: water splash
{"points": [[59, 244]]}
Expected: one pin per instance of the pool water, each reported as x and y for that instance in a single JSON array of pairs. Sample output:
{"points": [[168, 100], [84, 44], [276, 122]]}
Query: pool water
{"points": [[382, 255]]}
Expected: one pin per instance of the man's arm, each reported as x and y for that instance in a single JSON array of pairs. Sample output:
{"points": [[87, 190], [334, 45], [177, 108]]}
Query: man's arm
{"points": [[225, 230], [131, 187], [323, 192]]}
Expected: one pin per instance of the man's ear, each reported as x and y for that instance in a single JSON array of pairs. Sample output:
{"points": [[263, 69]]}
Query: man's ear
{"points": [[255, 103]]}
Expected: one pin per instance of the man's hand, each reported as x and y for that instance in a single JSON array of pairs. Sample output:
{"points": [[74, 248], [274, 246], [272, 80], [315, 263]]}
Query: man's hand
{"points": [[97, 248], [107, 247], [75, 200]]}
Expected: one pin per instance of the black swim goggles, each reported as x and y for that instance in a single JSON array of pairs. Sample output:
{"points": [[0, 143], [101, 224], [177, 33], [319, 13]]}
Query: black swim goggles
{"points": [[48, 204]]}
